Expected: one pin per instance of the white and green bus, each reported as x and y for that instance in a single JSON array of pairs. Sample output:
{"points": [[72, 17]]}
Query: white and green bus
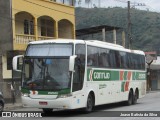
{"points": [[72, 74]]}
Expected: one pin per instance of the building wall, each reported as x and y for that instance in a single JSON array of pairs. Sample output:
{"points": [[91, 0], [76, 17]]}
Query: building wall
{"points": [[65, 32], [6, 44], [155, 74], [1, 73], [7, 74], [158, 78], [33, 10], [38, 9], [11, 26], [5, 26]]}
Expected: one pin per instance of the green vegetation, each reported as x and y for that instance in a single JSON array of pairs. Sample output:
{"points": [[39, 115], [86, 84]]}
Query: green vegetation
{"points": [[145, 25]]}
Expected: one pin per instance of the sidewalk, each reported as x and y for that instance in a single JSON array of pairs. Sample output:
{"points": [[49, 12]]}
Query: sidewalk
{"points": [[10, 106]]}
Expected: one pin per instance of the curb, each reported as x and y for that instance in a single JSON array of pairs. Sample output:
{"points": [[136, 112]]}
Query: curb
{"points": [[8, 107], [155, 91]]}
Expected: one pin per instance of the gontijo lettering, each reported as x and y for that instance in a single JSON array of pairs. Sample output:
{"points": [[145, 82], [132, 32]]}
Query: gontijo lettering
{"points": [[142, 76], [101, 75]]}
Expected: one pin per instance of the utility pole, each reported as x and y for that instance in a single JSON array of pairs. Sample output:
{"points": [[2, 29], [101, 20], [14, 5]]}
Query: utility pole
{"points": [[129, 19], [129, 26], [104, 34], [99, 3], [129, 22]]}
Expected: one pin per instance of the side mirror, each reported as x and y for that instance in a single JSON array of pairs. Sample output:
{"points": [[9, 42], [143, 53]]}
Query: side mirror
{"points": [[16, 62], [72, 62]]}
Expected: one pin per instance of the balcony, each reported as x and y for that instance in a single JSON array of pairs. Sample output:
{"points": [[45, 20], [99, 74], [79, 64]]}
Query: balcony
{"points": [[30, 28], [25, 39]]}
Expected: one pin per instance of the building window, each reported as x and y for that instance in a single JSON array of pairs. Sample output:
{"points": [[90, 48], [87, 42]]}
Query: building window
{"points": [[47, 27], [28, 27], [31, 28], [67, 2]]}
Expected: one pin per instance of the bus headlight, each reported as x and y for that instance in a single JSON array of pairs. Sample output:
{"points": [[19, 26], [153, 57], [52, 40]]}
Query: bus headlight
{"points": [[25, 94], [64, 95]]}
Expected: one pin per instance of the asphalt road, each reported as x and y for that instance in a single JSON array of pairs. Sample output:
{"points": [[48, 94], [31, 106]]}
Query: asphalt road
{"points": [[146, 108]]}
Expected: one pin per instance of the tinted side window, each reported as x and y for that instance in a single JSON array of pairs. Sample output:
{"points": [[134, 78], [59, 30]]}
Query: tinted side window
{"points": [[141, 62], [123, 57], [92, 56], [112, 59], [103, 59], [79, 67], [136, 61], [118, 59]]}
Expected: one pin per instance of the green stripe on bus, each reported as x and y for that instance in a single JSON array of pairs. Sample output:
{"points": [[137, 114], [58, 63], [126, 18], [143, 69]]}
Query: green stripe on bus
{"points": [[122, 87], [139, 76], [108, 75], [23, 90], [42, 92], [98, 75], [115, 75], [125, 75]]}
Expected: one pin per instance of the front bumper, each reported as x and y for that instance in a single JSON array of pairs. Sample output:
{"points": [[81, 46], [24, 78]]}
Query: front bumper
{"points": [[59, 103]]}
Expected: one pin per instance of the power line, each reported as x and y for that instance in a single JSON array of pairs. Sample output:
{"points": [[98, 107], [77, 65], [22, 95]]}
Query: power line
{"points": [[122, 1], [153, 9], [133, 4]]}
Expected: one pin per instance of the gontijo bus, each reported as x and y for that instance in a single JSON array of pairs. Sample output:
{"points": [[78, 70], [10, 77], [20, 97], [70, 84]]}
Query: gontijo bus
{"points": [[71, 74]]}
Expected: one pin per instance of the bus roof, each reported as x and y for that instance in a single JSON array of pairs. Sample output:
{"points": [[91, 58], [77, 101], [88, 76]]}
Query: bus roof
{"points": [[90, 42], [57, 41]]}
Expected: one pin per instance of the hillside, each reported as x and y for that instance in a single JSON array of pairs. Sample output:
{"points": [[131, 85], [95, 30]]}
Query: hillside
{"points": [[145, 24]]}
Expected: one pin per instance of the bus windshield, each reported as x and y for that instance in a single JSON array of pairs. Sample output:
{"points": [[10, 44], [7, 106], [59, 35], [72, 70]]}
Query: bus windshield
{"points": [[46, 67], [46, 74]]}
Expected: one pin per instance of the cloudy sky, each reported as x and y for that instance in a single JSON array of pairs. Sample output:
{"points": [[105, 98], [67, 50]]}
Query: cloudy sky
{"points": [[152, 5]]}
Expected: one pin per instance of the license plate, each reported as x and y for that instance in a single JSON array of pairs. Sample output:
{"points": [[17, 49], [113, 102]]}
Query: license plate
{"points": [[43, 103]]}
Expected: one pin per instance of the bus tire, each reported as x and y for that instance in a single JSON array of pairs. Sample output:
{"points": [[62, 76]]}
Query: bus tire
{"points": [[130, 98], [1, 107], [135, 97], [90, 103], [47, 110]]}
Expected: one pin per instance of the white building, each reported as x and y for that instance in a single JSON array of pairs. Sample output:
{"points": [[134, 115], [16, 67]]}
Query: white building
{"points": [[155, 74]]}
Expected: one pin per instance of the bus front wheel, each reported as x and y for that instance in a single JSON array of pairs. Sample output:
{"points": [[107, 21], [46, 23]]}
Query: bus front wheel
{"points": [[90, 103], [47, 110]]}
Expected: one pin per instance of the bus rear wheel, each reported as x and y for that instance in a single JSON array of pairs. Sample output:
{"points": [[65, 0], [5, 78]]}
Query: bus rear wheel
{"points": [[135, 97], [130, 98]]}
